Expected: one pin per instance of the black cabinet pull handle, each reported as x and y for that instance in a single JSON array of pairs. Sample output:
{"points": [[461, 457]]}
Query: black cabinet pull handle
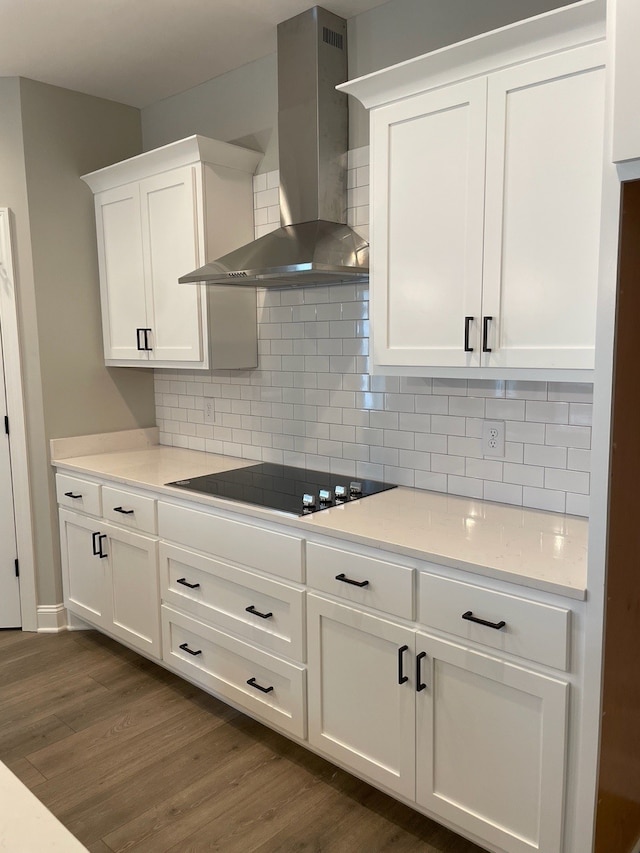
{"points": [[471, 618], [185, 582], [185, 648], [342, 577], [401, 676], [123, 511], [253, 683], [420, 685], [252, 609], [485, 333], [71, 495], [467, 327], [97, 544], [144, 346], [101, 553]]}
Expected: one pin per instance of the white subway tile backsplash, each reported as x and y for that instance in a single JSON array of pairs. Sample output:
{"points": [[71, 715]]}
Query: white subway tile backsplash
{"points": [[465, 486], [506, 493], [548, 457], [547, 413], [313, 403]]}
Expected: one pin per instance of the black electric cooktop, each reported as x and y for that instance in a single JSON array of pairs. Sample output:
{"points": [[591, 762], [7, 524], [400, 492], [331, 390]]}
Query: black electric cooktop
{"points": [[295, 491]]}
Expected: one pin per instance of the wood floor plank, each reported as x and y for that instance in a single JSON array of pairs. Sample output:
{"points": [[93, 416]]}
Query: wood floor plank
{"points": [[133, 759], [33, 734], [118, 731], [25, 771]]}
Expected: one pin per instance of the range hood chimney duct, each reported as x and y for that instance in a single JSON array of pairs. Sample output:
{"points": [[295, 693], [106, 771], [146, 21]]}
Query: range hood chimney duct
{"points": [[313, 244]]}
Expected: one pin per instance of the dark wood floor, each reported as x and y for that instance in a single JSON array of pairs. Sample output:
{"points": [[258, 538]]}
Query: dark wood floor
{"points": [[132, 758]]}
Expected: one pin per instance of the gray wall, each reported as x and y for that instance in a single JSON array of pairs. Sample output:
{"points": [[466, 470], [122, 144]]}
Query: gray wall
{"points": [[48, 138], [242, 107]]}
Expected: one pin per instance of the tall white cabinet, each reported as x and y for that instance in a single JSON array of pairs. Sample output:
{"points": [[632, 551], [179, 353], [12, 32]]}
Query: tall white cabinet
{"points": [[486, 171], [158, 216]]}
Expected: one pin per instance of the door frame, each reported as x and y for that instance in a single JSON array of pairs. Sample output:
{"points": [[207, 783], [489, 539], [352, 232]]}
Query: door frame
{"points": [[18, 435]]}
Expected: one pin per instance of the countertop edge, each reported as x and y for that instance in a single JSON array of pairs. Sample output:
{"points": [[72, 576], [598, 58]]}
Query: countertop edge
{"points": [[578, 593]]}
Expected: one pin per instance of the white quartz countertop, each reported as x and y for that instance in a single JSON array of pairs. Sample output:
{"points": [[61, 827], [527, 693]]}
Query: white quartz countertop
{"points": [[542, 550]]}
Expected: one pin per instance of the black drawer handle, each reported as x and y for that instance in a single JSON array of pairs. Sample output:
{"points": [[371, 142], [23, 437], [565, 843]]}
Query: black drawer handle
{"points": [[185, 648], [485, 333], [252, 609], [401, 676], [253, 683], [185, 582], [71, 495], [467, 328], [471, 618], [123, 511], [420, 685], [342, 577]]}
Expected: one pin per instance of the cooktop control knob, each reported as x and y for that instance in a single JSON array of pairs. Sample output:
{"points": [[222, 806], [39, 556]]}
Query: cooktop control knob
{"points": [[308, 503], [355, 490], [341, 494], [326, 496]]}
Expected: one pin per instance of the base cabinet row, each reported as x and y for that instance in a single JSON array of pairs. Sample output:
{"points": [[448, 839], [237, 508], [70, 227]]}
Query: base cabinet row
{"points": [[473, 739], [447, 723]]}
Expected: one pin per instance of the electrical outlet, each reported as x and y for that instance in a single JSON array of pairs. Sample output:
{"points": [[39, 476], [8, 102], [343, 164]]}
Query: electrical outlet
{"points": [[209, 410], [493, 438]]}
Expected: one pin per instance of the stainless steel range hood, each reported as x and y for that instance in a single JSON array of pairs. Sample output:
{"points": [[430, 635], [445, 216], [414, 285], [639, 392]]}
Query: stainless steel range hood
{"points": [[313, 244]]}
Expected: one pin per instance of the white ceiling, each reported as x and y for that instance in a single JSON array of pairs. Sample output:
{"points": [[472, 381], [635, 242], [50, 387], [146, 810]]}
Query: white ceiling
{"points": [[140, 51]]}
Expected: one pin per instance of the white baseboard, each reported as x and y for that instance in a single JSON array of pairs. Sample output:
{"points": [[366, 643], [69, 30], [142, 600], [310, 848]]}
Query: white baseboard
{"points": [[52, 618]]}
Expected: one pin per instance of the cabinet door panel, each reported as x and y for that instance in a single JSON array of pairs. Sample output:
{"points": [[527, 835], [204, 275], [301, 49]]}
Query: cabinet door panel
{"points": [[358, 712], [542, 223], [121, 271], [428, 156], [169, 223], [491, 747], [134, 589], [84, 574]]}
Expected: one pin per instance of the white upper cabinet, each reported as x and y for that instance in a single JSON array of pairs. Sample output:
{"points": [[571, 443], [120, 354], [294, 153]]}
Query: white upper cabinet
{"points": [[625, 26], [486, 171], [160, 215]]}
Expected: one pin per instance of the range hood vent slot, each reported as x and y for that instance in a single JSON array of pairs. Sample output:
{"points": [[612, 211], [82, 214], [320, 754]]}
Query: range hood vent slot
{"points": [[314, 245], [332, 38]]}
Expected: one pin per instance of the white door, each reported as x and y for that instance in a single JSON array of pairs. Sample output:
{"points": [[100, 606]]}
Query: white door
{"points": [[134, 597], [428, 156], [120, 258], [168, 204], [490, 747], [9, 583], [85, 567], [362, 692], [545, 128]]}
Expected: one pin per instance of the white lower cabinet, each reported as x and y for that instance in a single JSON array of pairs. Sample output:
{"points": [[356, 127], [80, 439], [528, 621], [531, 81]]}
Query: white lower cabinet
{"points": [[263, 684], [110, 579], [447, 690], [472, 739], [361, 710], [490, 747]]}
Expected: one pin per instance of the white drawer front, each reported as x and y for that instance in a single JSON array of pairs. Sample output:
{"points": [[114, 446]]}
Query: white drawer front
{"points": [[78, 494], [263, 684], [262, 549], [263, 611], [129, 509], [532, 630], [362, 580]]}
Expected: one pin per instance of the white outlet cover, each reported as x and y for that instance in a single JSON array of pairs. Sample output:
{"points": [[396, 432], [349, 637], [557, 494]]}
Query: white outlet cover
{"points": [[209, 410], [493, 438]]}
